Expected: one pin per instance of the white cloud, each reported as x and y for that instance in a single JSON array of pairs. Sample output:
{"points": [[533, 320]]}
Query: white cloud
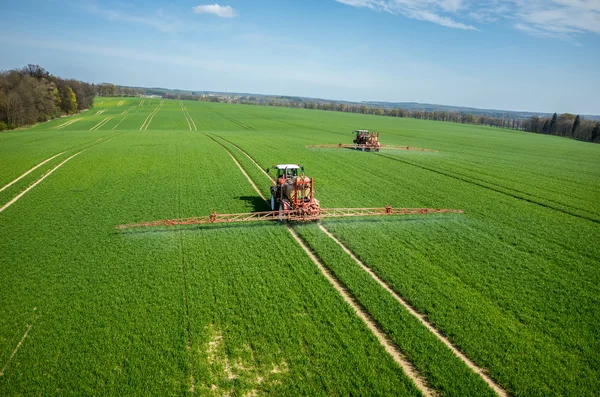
{"points": [[215, 9], [425, 10], [562, 19]]}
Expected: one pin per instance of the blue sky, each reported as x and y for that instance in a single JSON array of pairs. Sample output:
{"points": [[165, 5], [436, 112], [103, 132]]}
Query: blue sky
{"points": [[536, 55]]}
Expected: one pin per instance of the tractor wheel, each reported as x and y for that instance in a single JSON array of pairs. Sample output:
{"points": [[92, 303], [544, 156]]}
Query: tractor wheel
{"points": [[281, 211], [272, 202]]}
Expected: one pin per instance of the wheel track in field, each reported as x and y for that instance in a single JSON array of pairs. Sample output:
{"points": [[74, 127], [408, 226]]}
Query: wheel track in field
{"points": [[125, 113], [231, 119], [479, 371], [47, 174], [389, 346], [68, 123], [51, 171], [150, 117], [47, 160], [420, 317], [101, 124], [14, 352], [485, 185], [30, 171], [290, 123], [188, 117]]}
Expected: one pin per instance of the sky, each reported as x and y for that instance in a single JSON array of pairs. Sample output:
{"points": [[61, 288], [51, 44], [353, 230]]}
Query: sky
{"points": [[529, 55]]}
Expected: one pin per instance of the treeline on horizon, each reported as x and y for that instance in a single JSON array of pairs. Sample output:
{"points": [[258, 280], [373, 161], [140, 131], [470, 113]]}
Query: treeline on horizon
{"points": [[566, 124]]}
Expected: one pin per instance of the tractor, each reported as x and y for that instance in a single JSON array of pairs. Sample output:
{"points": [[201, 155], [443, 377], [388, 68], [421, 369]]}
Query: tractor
{"points": [[294, 192], [293, 200], [366, 140]]}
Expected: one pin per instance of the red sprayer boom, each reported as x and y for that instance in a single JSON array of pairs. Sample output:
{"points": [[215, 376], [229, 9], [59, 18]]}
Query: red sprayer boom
{"points": [[292, 215]]}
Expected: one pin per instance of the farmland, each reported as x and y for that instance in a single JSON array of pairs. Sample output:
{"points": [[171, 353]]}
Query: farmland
{"points": [[512, 285]]}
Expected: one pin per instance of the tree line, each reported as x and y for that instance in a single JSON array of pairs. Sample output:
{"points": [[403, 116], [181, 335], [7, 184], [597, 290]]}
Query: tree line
{"points": [[31, 95], [108, 90], [567, 125]]}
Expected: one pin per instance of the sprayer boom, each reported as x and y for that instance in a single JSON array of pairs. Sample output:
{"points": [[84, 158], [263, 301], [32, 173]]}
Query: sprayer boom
{"points": [[299, 215]]}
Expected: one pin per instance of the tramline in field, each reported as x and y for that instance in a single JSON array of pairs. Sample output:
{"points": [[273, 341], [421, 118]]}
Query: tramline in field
{"points": [[293, 194]]}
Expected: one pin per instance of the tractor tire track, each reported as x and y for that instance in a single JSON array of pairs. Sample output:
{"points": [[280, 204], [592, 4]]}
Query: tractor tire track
{"points": [[125, 113], [16, 198], [150, 117], [100, 124], [288, 123], [494, 189], [47, 174], [16, 349], [188, 117], [249, 157], [119, 123], [389, 346], [232, 120], [474, 367], [463, 357], [68, 123], [30, 171]]}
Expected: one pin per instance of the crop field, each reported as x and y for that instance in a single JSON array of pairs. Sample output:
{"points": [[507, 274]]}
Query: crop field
{"points": [[503, 299]]}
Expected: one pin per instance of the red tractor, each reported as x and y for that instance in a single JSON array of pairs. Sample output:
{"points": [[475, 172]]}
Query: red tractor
{"points": [[292, 199], [293, 193], [366, 140]]}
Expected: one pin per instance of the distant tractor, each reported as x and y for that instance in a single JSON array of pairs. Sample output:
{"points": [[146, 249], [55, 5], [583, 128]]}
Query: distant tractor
{"points": [[366, 140], [293, 191]]}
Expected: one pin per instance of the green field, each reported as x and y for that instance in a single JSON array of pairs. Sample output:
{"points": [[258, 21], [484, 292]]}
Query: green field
{"points": [[241, 309]]}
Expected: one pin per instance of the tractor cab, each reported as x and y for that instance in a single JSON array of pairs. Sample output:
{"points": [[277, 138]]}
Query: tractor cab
{"points": [[366, 140], [287, 171], [361, 136]]}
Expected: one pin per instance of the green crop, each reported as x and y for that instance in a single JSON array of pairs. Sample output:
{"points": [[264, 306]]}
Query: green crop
{"points": [[513, 282]]}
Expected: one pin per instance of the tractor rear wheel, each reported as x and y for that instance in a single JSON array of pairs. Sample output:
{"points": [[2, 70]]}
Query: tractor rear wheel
{"points": [[272, 202], [281, 211]]}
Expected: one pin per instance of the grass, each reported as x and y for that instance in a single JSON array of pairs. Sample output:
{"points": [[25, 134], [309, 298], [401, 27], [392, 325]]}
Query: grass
{"points": [[513, 282]]}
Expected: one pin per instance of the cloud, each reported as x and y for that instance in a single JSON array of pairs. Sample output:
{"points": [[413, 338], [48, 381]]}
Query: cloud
{"points": [[160, 21], [560, 17], [435, 11], [215, 9], [563, 19]]}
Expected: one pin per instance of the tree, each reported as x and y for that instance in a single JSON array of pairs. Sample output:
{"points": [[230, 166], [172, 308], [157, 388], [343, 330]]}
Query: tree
{"points": [[35, 71], [68, 100], [595, 132], [553, 124], [576, 125]]}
